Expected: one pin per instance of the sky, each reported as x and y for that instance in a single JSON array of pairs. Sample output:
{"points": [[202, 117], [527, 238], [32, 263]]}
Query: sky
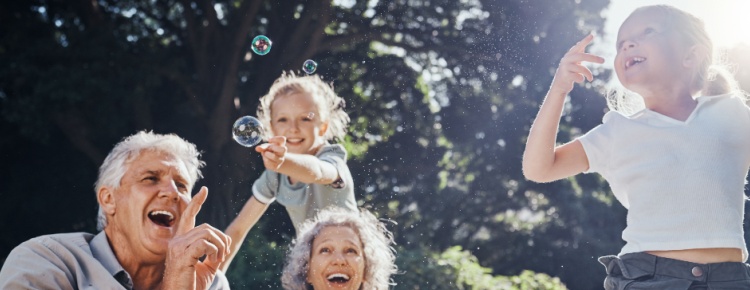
{"points": [[727, 21]]}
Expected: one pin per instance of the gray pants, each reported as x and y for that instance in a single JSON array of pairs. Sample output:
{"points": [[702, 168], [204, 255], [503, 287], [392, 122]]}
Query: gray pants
{"points": [[645, 271]]}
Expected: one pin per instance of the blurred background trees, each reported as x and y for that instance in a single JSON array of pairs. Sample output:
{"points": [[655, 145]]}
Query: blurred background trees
{"points": [[441, 94]]}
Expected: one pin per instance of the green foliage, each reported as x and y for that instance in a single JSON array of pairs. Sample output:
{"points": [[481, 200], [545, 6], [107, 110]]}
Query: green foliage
{"points": [[459, 269], [258, 264], [441, 94]]}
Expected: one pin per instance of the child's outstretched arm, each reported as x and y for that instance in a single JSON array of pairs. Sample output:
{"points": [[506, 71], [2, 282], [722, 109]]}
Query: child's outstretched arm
{"points": [[240, 226], [300, 167], [543, 161]]}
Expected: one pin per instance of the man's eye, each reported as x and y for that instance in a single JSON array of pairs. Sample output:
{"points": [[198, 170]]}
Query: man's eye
{"points": [[325, 250], [181, 185], [352, 251], [150, 178]]}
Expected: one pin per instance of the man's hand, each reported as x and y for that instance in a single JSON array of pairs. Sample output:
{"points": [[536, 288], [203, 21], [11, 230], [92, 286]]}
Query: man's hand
{"points": [[273, 152], [184, 270]]}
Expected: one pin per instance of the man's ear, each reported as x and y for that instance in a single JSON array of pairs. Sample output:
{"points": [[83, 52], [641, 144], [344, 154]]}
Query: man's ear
{"points": [[106, 199]]}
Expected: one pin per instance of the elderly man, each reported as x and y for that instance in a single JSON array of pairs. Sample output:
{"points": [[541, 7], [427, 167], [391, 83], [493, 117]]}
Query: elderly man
{"points": [[147, 238]]}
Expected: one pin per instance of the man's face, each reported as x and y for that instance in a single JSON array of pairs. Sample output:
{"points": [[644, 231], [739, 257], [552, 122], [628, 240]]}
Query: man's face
{"points": [[148, 205]]}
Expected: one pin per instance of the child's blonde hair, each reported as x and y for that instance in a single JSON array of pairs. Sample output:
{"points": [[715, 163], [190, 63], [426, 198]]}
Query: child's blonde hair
{"points": [[330, 106], [710, 78]]}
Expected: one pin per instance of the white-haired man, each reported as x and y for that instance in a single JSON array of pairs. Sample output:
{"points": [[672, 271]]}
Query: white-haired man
{"points": [[147, 239]]}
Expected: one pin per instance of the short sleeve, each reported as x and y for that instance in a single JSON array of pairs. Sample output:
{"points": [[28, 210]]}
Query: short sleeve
{"points": [[265, 187], [335, 154], [597, 143]]}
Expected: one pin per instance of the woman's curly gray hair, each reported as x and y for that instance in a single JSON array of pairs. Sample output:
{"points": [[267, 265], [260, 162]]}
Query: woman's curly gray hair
{"points": [[376, 242], [330, 105]]}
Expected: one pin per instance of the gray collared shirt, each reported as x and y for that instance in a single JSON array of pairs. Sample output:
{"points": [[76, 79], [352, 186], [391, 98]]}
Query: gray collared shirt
{"points": [[70, 261]]}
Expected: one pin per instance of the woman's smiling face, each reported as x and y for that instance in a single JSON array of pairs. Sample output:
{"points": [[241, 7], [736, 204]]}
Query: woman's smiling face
{"points": [[337, 259]]}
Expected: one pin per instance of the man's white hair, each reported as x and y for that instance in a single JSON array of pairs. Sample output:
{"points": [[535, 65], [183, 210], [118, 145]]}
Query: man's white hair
{"points": [[118, 160]]}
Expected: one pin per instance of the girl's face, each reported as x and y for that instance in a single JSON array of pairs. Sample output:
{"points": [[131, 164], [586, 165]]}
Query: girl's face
{"points": [[337, 260], [648, 55], [297, 117]]}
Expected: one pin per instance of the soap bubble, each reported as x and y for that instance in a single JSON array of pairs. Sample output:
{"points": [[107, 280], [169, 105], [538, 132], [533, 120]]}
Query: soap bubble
{"points": [[261, 45], [309, 66], [247, 131]]}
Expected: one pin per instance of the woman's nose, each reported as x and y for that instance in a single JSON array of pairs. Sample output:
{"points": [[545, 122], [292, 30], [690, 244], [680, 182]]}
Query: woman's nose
{"points": [[338, 258]]}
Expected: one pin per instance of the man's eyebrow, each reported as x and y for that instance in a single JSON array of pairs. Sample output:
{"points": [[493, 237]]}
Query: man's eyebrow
{"points": [[152, 172]]}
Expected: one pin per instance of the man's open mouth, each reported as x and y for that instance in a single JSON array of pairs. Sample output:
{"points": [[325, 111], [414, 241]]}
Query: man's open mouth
{"points": [[162, 218]]}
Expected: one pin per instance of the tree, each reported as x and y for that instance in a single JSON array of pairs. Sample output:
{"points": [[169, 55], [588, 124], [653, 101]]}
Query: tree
{"points": [[441, 94]]}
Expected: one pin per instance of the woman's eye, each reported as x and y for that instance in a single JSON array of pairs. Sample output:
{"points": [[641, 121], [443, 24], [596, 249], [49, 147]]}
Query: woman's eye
{"points": [[352, 251], [150, 178], [325, 250], [281, 120]]}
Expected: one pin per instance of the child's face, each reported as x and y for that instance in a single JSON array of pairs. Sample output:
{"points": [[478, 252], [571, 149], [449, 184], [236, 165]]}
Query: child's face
{"points": [[297, 117], [648, 56]]}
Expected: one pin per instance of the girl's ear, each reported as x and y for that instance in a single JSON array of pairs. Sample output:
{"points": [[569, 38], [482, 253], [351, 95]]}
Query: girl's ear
{"points": [[323, 129], [106, 198], [694, 56]]}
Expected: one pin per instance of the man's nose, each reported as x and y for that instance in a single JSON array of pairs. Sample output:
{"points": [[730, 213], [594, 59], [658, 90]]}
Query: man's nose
{"points": [[169, 189]]}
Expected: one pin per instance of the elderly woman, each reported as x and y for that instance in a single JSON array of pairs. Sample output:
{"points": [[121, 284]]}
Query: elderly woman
{"points": [[340, 249]]}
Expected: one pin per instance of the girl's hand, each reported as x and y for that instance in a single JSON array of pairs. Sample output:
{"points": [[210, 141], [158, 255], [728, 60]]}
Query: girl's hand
{"points": [[571, 68], [273, 152]]}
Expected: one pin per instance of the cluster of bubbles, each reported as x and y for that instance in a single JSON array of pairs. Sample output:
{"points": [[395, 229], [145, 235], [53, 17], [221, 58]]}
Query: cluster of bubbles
{"points": [[247, 131], [261, 45]]}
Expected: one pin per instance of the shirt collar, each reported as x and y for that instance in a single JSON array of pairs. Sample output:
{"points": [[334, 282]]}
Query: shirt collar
{"points": [[102, 252]]}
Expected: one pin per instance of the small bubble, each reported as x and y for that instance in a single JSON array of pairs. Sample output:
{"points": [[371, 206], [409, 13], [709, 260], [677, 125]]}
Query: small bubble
{"points": [[247, 131], [309, 66], [261, 45]]}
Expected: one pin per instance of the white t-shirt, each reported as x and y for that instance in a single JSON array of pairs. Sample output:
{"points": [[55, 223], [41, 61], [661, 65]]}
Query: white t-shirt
{"points": [[682, 182]]}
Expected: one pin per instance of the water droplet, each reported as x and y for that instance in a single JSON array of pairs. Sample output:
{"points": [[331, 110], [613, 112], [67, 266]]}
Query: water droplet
{"points": [[261, 45], [247, 131], [309, 66]]}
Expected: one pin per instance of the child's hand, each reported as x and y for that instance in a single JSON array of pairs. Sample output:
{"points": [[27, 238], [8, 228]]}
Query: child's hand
{"points": [[571, 70], [273, 152]]}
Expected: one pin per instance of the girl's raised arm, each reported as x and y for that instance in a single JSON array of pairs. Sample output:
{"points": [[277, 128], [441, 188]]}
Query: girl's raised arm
{"points": [[543, 161]]}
